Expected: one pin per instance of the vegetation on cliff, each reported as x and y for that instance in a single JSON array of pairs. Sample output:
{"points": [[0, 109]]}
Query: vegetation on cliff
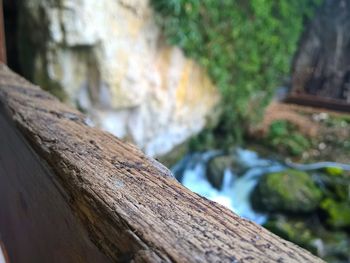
{"points": [[246, 46]]}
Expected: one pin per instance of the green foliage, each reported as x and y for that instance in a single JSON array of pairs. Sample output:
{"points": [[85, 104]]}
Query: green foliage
{"points": [[294, 230], [283, 136], [338, 212], [304, 231], [246, 47], [333, 170], [203, 142]]}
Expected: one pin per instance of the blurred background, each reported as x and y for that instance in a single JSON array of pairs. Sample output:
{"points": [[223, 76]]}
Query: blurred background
{"points": [[248, 102]]}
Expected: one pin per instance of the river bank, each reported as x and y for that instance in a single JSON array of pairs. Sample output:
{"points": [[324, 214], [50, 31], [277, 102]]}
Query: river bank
{"points": [[310, 208], [292, 177]]}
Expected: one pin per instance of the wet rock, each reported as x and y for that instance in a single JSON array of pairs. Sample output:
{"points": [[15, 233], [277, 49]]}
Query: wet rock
{"points": [[342, 191], [336, 204], [335, 247], [175, 155], [309, 233], [289, 191], [216, 168], [337, 186], [338, 212], [294, 230]]}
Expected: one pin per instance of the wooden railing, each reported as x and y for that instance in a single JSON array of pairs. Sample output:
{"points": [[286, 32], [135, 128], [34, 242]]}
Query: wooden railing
{"points": [[72, 193], [2, 35]]}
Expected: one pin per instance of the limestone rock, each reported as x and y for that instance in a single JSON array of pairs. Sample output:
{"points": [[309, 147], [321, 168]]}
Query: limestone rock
{"points": [[109, 58]]}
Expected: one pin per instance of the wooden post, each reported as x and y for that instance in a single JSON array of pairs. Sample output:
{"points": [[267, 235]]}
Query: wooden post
{"points": [[2, 35], [108, 194]]}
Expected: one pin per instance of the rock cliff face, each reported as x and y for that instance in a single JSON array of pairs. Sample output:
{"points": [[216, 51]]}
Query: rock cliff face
{"points": [[109, 58], [322, 64]]}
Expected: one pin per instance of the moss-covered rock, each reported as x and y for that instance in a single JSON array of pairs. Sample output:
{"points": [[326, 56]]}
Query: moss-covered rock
{"points": [[309, 233], [342, 192], [338, 212], [332, 170], [335, 246], [289, 191], [294, 230], [336, 187], [175, 155]]}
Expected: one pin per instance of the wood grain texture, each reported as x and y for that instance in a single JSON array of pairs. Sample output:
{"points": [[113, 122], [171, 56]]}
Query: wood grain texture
{"points": [[132, 207]]}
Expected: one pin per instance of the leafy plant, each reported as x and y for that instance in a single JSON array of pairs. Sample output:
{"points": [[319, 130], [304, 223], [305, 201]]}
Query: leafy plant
{"points": [[246, 46], [283, 136]]}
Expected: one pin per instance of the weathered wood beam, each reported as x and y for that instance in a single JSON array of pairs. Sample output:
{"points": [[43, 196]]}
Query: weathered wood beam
{"points": [[317, 101], [131, 206]]}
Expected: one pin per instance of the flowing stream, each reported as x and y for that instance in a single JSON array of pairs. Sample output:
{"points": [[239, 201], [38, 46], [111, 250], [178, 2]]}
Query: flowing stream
{"points": [[236, 188]]}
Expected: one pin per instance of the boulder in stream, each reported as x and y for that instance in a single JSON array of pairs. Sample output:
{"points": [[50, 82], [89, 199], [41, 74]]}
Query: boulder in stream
{"points": [[289, 191], [216, 168], [338, 213], [309, 233]]}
